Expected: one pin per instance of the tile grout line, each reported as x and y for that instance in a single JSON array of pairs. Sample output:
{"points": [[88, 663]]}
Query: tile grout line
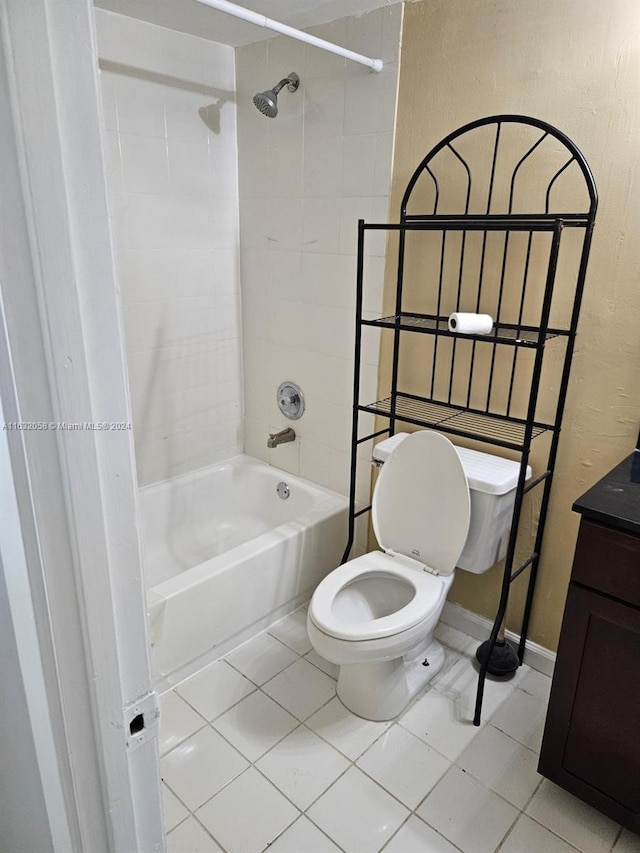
{"points": [[405, 822], [460, 655]]}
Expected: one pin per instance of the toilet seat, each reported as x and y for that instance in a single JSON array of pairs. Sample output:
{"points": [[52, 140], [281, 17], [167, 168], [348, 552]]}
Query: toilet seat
{"points": [[428, 591]]}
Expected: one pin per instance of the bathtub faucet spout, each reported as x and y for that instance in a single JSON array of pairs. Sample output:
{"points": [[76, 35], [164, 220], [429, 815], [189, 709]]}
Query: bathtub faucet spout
{"points": [[282, 437]]}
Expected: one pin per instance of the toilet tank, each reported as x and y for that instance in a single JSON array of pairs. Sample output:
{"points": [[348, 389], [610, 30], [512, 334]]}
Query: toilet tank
{"points": [[492, 488]]}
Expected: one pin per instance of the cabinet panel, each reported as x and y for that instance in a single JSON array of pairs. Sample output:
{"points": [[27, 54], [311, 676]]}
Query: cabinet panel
{"points": [[591, 744], [609, 561]]}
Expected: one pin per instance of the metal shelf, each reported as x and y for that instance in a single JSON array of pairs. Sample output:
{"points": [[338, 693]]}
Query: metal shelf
{"points": [[469, 423], [472, 181], [430, 324]]}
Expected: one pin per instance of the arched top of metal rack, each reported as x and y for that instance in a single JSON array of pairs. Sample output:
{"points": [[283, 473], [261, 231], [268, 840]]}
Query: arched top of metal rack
{"points": [[494, 169]]}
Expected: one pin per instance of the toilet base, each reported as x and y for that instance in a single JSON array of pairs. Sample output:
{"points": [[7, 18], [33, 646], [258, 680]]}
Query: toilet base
{"points": [[381, 690]]}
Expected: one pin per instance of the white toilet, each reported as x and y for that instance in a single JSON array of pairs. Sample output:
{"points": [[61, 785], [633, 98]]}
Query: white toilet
{"points": [[435, 507]]}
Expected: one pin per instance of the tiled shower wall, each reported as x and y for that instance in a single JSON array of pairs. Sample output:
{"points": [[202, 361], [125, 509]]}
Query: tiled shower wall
{"points": [[170, 113], [306, 177]]}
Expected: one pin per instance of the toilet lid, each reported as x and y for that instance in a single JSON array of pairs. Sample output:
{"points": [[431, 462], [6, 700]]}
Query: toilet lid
{"points": [[421, 504]]}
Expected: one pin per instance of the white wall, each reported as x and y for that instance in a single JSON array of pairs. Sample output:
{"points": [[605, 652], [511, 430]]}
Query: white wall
{"points": [[306, 177], [170, 114]]}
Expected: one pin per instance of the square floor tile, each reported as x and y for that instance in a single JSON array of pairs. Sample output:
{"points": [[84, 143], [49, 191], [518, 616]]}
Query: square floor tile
{"points": [[303, 837], [357, 814], [441, 722], [302, 766], [331, 669], [255, 725], [471, 816], [461, 683], [502, 764], [190, 837], [292, 631], [215, 689], [416, 837], [628, 842], [177, 721], [261, 658], [301, 688], [248, 814], [348, 733], [174, 811], [200, 766], [571, 819], [522, 716], [456, 667], [537, 685], [404, 765], [527, 836]]}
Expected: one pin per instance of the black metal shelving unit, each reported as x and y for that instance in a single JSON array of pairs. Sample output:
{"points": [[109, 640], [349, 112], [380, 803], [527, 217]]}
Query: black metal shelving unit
{"points": [[511, 208]]}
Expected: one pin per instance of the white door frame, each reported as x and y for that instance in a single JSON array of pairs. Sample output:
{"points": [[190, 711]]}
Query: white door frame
{"points": [[62, 360]]}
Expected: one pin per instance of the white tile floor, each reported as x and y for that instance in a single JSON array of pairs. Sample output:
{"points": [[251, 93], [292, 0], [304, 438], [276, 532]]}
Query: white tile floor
{"points": [[259, 753]]}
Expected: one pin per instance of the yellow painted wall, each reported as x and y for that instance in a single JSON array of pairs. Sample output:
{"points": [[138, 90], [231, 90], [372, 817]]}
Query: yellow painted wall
{"points": [[576, 65]]}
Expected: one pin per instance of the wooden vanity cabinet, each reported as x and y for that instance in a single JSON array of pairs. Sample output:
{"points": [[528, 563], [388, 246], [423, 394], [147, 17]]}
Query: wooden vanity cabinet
{"points": [[591, 744]]}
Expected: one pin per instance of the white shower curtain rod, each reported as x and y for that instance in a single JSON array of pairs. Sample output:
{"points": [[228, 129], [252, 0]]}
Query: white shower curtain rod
{"points": [[262, 21]]}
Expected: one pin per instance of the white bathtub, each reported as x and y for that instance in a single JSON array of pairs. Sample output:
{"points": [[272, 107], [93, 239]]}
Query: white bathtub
{"points": [[224, 556]]}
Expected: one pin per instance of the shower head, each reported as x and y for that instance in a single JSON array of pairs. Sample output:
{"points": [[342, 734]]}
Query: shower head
{"points": [[267, 102]]}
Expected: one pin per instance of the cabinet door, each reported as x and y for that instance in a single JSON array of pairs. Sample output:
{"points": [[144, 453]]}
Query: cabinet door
{"points": [[591, 743]]}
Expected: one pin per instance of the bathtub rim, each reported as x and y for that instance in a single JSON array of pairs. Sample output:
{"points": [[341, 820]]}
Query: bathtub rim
{"points": [[330, 503]]}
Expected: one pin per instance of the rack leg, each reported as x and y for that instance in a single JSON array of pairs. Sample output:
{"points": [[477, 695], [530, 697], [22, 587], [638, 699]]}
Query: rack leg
{"points": [[533, 574]]}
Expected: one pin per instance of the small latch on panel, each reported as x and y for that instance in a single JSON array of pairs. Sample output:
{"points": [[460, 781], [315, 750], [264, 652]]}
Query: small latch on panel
{"points": [[142, 720]]}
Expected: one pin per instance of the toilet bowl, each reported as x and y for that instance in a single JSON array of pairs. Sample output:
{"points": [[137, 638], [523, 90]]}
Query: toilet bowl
{"points": [[375, 615]]}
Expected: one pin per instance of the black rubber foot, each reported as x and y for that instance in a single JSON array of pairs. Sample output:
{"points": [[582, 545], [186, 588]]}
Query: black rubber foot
{"points": [[503, 660]]}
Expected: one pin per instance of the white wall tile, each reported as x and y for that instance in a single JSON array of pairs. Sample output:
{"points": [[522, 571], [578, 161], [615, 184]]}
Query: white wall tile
{"points": [[144, 164], [364, 35], [324, 107], [321, 225], [387, 94], [109, 107], [114, 161], [351, 210], [382, 163], [128, 41], [189, 167], [358, 165], [361, 104], [391, 23], [253, 175], [175, 201], [309, 207], [320, 63], [320, 274], [284, 277], [283, 229], [194, 59], [322, 166], [140, 105], [315, 462], [283, 56], [285, 169], [182, 113]]}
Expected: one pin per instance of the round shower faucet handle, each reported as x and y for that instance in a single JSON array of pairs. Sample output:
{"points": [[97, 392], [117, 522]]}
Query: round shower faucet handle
{"points": [[290, 400]]}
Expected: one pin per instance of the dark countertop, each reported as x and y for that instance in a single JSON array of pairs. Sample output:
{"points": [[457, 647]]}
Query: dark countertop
{"points": [[615, 499]]}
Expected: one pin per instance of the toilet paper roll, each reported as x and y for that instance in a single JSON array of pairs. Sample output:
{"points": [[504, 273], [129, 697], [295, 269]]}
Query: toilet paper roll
{"points": [[470, 324]]}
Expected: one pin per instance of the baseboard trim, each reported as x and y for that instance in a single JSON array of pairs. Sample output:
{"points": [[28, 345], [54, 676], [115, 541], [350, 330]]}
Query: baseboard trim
{"points": [[536, 656]]}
